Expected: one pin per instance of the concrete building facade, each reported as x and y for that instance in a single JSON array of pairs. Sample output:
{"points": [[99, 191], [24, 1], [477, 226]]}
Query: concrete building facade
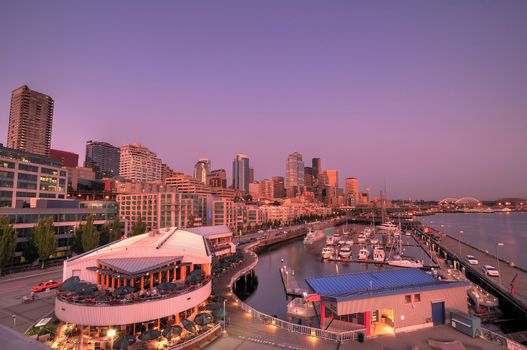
{"points": [[103, 158], [139, 163]]}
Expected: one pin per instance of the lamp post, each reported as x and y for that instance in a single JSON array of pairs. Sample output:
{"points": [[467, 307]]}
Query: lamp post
{"points": [[111, 334], [459, 241], [498, 244], [14, 321], [224, 317]]}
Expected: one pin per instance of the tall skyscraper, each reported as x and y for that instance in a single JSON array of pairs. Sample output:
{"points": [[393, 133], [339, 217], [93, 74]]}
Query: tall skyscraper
{"points": [[217, 178], [103, 158], [351, 189], [332, 178], [240, 173], [294, 181], [278, 187], [138, 163], [251, 174], [30, 121], [202, 169], [317, 169], [309, 179]]}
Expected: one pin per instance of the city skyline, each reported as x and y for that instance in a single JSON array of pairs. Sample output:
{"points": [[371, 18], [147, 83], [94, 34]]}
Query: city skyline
{"points": [[445, 106]]}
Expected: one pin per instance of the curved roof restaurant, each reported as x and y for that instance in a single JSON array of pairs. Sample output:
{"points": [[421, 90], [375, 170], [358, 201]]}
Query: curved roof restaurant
{"points": [[137, 289]]}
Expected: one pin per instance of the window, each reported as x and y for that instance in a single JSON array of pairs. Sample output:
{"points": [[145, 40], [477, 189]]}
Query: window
{"points": [[417, 298], [408, 299]]}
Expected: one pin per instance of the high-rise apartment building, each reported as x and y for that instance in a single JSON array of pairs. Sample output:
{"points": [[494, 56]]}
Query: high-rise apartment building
{"points": [[202, 169], [278, 187], [332, 178], [309, 179], [103, 158], [294, 181], [138, 163], [217, 178], [266, 189], [68, 159], [166, 171], [351, 189], [30, 121], [240, 173], [251, 174]]}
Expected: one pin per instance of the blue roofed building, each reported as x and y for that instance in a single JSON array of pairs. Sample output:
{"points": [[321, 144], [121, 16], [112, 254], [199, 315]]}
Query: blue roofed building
{"points": [[387, 301]]}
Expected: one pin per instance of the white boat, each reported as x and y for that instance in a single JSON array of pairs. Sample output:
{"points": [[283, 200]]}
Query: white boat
{"points": [[378, 254], [374, 241], [387, 227], [333, 239], [408, 233], [368, 231], [361, 239], [364, 254], [313, 236], [348, 242], [327, 252], [404, 262], [345, 252], [346, 233]]}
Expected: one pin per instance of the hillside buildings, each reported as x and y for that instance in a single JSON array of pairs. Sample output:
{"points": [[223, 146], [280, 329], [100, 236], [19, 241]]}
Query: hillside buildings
{"points": [[139, 163], [103, 158], [30, 121]]}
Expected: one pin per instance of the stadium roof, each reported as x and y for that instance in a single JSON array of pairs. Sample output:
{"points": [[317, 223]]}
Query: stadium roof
{"points": [[210, 231], [380, 283]]}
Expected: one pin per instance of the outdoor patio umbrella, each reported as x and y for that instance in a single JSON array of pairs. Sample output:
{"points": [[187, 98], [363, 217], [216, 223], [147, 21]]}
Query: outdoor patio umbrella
{"points": [[203, 319], [150, 335], [121, 343], [172, 331], [85, 288], [123, 290], [195, 277], [189, 326], [69, 284]]}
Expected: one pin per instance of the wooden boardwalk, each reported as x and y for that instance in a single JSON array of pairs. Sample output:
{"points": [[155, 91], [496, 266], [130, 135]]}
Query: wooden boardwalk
{"points": [[290, 283]]}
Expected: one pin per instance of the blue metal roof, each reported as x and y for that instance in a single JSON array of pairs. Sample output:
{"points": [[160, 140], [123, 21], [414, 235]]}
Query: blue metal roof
{"points": [[378, 283]]}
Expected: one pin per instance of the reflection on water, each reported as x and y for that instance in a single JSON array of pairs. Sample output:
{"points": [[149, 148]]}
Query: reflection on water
{"points": [[484, 230], [306, 261]]}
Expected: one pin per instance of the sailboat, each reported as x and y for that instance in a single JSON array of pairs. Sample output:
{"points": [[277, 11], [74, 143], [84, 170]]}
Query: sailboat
{"points": [[398, 260]]}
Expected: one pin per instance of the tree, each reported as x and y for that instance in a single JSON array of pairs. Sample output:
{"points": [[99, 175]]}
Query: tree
{"points": [[89, 236], [138, 228], [7, 241], [44, 239], [115, 230]]}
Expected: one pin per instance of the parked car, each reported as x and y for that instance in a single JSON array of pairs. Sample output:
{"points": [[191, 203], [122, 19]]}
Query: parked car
{"points": [[471, 260], [42, 286], [490, 271]]}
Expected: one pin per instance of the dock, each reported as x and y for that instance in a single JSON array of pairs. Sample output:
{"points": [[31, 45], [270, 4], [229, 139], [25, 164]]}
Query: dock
{"points": [[290, 283]]}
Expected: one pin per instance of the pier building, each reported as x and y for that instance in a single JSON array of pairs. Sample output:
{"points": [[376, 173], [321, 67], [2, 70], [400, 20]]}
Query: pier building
{"points": [[388, 301]]}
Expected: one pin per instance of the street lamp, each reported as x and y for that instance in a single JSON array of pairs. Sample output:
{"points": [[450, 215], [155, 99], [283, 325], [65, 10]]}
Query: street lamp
{"points": [[14, 321], [224, 317], [498, 244], [459, 241], [111, 333]]}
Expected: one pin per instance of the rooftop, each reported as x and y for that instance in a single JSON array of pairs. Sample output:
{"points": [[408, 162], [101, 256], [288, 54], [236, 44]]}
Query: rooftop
{"points": [[379, 283], [208, 231]]}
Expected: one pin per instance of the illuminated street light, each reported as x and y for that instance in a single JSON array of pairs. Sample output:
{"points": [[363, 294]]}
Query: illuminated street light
{"points": [[498, 244], [111, 333]]}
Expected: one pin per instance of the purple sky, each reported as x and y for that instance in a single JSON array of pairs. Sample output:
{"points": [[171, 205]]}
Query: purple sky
{"points": [[430, 96]]}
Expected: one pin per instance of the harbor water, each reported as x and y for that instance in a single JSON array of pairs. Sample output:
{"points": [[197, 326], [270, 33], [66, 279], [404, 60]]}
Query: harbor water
{"points": [[484, 230]]}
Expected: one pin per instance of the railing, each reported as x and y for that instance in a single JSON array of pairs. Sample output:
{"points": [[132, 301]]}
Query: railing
{"points": [[124, 301], [288, 326], [196, 339], [499, 339]]}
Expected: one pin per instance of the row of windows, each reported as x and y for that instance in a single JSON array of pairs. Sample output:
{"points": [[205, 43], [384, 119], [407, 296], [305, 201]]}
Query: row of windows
{"points": [[408, 298]]}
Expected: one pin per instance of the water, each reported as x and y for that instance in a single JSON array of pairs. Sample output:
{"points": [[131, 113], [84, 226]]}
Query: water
{"points": [[305, 260], [485, 230]]}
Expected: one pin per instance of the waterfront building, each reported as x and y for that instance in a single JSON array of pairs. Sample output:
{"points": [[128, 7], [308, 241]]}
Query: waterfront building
{"points": [[294, 180], [162, 209], [187, 184], [143, 262], [30, 121], [240, 173], [351, 190], [278, 187], [139, 163], [224, 211], [219, 239], [103, 158], [68, 159], [253, 216], [67, 216], [387, 301], [25, 175], [120, 185], [217, 178], [80, 176], [202, 169], [265, 189]]}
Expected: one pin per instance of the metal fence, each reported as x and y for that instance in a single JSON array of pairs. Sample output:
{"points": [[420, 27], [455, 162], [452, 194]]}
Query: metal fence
{"points": [[288, 326], [499, 339]]}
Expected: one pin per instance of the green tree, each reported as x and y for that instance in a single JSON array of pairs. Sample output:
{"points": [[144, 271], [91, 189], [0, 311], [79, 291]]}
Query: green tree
{"points": [[44, 239], [116, 230], [7, 242], [89, 236], [138, 228]]}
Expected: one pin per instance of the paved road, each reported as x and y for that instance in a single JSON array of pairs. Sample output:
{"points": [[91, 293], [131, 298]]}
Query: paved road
{"points": [[507, 272], [14, 287]]}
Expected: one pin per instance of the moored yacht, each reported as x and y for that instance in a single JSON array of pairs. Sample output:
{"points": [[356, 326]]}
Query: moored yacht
{"points": [[345, 252], [399, 261], [378, 254], [387, 227], [313, 236], [364, 254], [361, 239], [327, 252]]}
